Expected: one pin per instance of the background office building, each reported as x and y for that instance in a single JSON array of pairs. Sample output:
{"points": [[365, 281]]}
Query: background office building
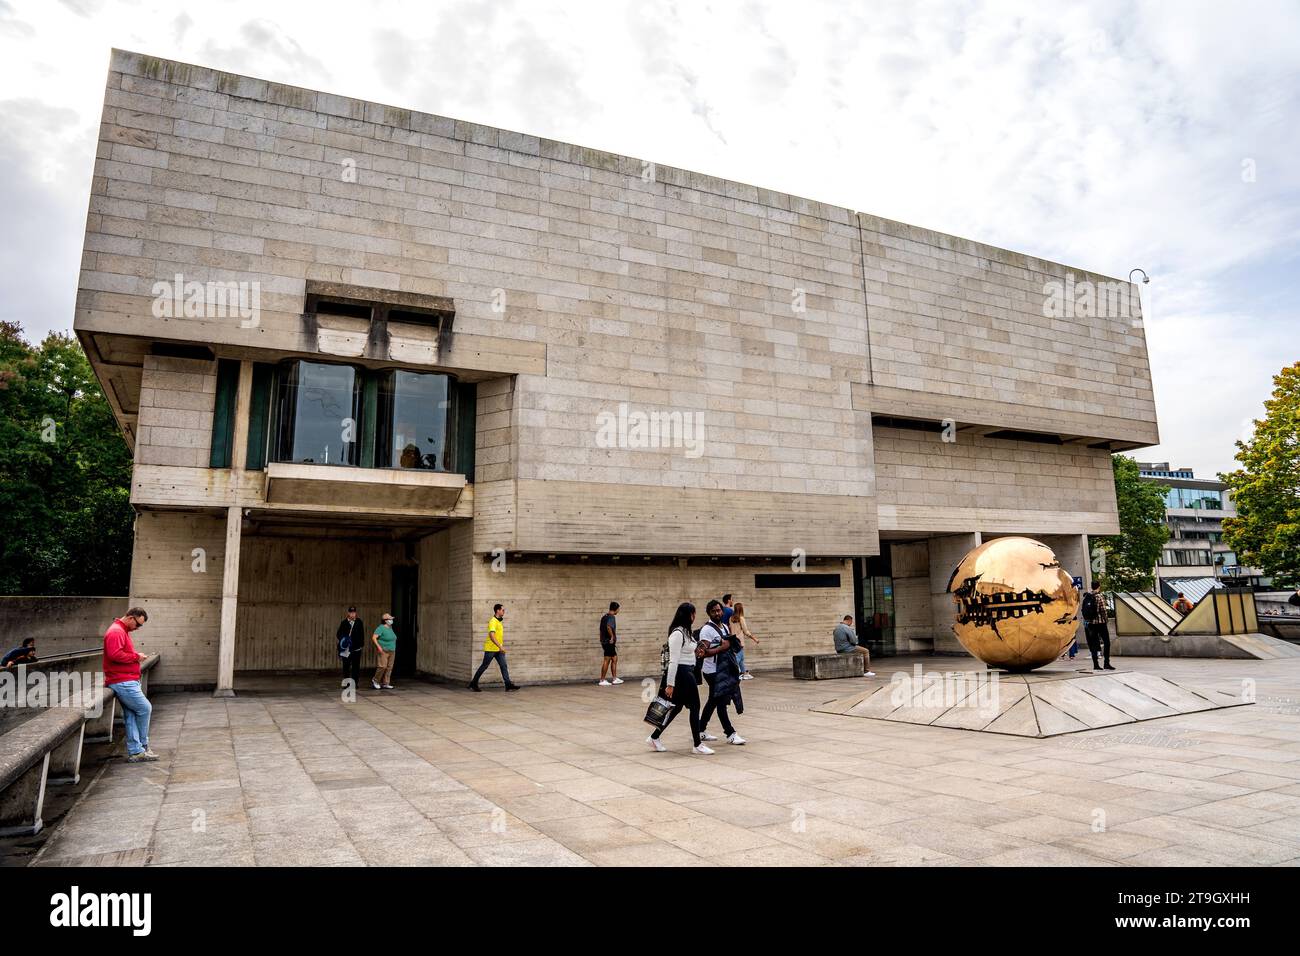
{"points": [[1195, 558], [367, 355]]}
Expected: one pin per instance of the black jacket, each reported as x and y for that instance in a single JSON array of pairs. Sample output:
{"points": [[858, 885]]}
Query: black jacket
{"points": [[358, 633], [726, 680]]}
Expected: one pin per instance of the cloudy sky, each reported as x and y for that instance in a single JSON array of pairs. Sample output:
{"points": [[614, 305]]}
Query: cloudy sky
{"points": [[1117, 135]]}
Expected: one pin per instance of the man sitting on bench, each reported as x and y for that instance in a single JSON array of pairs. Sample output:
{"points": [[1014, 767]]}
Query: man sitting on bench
{"points": [[846, 642]]}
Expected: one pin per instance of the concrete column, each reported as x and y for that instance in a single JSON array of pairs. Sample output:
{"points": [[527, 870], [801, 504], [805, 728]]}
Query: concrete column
{"points": [[229, 605], [945, 552], [243, 402], [913, 616]]}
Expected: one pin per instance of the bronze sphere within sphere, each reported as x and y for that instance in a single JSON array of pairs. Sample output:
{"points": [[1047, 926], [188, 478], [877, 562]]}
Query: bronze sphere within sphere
{"points": [[1016, 605]]}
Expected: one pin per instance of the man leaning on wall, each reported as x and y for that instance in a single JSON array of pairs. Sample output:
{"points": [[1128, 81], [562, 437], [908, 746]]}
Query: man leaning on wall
{"points": [[122, 675]]}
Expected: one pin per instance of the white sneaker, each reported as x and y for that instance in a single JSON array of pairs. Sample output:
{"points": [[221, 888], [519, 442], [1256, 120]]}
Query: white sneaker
{"points": [[617, 680], [388, 686], [707, 736], [701, 749], [375, 686], [603, 683], [746, 676], [655, 745], [869, 674], [736, 739]]}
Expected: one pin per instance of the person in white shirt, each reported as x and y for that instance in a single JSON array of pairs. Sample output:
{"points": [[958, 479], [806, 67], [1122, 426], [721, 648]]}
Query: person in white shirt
{"points": [[679, 679], [718, 638]]}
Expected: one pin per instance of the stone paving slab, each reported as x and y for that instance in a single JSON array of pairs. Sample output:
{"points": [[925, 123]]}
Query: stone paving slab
{"points": [[1041, 704], [287, 773]]}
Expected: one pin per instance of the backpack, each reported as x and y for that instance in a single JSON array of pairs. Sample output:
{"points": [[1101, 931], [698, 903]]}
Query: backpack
{"points": [[1089, 608]]}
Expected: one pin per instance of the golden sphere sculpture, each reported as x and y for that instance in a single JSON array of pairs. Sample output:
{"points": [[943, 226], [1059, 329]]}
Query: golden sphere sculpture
{"points": [[1016, 606]]}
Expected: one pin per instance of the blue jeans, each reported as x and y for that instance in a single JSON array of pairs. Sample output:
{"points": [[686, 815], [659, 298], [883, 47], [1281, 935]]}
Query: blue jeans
{"points": [[135, 714], [487, 659], [740, 659]]}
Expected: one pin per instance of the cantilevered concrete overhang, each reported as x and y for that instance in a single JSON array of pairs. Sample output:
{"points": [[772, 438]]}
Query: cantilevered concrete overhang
{"points": [[397, 490], [1005, 419]]}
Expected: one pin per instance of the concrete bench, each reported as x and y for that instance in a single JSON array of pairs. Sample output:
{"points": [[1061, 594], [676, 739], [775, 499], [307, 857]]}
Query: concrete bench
{"points": [[45, 748], [828, 666]]}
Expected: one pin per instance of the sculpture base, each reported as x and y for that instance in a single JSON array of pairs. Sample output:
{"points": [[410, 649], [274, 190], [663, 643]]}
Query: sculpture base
{"points": [[1039, 704]]}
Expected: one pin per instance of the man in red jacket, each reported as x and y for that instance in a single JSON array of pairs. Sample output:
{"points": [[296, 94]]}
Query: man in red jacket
{"points": [[122, 675]]}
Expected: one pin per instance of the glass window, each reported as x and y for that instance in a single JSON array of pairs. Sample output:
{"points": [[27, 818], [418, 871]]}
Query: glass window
{"points": [[1185, 558], [1207, 500], [316, 421], [414, 411]]}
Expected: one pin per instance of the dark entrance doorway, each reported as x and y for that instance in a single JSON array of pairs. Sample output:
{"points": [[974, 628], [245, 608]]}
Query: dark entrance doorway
{"points": [[406, 605], [873, 591]]}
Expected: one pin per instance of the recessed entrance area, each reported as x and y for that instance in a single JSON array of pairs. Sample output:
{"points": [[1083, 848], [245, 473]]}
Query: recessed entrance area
{"points": [[298, 578]]}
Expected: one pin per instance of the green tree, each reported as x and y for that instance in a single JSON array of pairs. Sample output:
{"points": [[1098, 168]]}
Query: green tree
{"points": [[1266, 488], [65, 473], [1131, 555]]}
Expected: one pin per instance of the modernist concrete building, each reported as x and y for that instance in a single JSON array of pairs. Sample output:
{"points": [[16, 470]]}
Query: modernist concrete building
{"points": [[366, 355], [1196, 559]]}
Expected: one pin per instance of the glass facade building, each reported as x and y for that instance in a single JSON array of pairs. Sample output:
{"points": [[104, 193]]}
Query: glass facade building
{"points": [[1204, 499]]}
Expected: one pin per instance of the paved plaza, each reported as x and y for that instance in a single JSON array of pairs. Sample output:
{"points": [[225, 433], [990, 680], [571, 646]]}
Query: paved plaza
{"points": [[288, 774]]}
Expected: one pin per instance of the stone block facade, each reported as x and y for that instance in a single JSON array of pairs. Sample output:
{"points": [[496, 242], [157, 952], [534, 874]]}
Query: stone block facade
{"points": [[778, 341]]}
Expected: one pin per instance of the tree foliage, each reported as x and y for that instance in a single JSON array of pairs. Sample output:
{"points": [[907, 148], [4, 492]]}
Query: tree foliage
{"points": [[1131, 555], [1266, 488], [65, 473]]}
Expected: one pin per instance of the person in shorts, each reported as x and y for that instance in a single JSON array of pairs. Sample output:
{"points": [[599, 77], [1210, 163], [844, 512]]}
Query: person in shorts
{"points": [[609, 647]]}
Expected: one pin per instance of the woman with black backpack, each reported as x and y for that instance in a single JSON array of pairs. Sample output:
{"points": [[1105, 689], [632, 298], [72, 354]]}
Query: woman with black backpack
{"points": [[678, 684]]}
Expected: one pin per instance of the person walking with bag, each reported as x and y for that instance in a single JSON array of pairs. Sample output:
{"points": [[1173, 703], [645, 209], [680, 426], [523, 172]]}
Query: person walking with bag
{"points": [[678, 684], [722, 674]]}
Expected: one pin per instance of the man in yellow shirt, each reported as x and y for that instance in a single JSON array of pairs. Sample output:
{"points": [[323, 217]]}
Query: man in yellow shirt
{"points": [[494, 647]]}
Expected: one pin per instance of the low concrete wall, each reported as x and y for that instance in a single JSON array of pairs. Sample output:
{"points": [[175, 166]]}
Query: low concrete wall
{"points": [[59, 624], [1179, 645]]}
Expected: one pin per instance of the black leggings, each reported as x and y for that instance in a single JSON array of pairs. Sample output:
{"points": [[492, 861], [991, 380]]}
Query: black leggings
{"points": [[715, 704], [685, 694]]}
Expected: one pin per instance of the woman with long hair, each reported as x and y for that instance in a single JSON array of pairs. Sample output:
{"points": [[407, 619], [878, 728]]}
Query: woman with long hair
{"points": [[678, 683], [740, 631]]}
